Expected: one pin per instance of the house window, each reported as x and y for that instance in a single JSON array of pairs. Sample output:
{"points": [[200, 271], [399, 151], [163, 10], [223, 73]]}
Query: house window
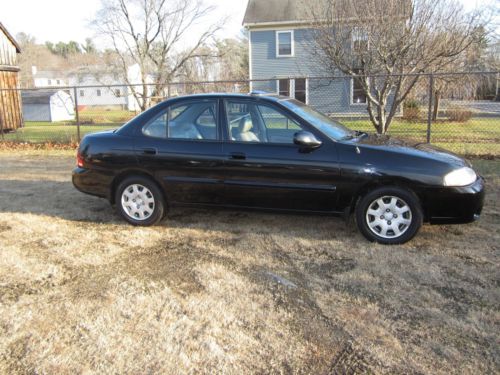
{"points": [[118, 93], [82, 93], [98, 92], [301, 90], [58, 82], [359, 41], [284, 43], [284, 87], [294, 88], [49, 82], [358, 95]]}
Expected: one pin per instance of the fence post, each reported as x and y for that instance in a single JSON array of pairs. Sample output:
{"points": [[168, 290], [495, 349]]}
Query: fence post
{"points": [[77, 115], [497, 88], [429, 114]]}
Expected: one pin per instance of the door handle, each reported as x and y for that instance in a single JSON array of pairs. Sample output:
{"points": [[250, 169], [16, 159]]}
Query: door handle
{"points": [[237, 155], [149, 151]]}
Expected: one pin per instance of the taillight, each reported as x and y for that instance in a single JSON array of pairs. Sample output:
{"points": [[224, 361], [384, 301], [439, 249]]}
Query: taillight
{"points": [[79, 159]]}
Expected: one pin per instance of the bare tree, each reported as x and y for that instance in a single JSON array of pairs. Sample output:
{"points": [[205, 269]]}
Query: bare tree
{"points": [[152, 34], [226, 60], [385, 44]]}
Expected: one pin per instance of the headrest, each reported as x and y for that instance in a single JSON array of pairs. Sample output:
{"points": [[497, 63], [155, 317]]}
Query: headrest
{"points": [[245, 125]]}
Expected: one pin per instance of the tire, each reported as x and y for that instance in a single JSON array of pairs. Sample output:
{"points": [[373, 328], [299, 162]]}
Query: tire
{"points": [[389, 215], [140, 201]]}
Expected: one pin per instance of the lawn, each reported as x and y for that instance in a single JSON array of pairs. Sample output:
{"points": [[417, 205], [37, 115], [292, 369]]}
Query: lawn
{"points": [[235, 292], [92, 120], [479, 136]]}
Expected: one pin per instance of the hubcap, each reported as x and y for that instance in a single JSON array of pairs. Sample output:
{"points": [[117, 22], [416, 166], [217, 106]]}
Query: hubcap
{"points": [[138, 202], [388, 217]]}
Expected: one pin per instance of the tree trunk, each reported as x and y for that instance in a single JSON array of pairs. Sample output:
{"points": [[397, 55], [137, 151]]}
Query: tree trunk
{"points": [[382, 115], [435, 109]]}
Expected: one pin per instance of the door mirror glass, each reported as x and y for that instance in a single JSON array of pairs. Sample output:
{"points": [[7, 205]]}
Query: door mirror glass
{"points": [[306, 140]]}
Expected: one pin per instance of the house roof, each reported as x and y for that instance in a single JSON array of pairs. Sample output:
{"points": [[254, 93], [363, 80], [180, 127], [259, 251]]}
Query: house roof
{"points": [[37, 96], [302, 11], [10, 37], [278, 11], [50, 74]]}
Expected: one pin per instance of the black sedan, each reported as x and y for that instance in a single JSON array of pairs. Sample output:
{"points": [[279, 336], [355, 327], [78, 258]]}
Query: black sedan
{"points": [[274, 153]]}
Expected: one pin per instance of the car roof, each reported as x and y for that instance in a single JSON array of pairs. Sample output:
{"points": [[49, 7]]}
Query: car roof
{"points": [[255, 94]]}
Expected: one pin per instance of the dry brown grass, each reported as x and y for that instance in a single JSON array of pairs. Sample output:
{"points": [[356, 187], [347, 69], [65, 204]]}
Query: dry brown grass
{"points": [[234, 292]]}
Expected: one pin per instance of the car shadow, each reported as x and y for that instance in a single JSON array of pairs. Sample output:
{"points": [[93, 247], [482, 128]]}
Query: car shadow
{"points": [[60, 199]]}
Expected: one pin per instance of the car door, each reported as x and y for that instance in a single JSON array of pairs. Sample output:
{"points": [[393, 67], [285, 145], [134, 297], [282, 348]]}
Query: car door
{"points": [[263, 166], [182, 146]]}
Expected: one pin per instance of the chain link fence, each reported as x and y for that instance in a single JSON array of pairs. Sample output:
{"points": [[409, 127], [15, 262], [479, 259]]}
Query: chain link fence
{"points": [[459, 112]]}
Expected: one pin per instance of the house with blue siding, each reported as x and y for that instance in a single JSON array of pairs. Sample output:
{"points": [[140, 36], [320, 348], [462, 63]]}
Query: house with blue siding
{"points": [[281, 59]]}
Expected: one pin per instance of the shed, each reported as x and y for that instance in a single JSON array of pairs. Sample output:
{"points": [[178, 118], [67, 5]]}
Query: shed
{"points": [[47, 105], [10, 101]]}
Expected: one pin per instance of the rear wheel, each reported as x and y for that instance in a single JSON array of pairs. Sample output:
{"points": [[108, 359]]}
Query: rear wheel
{"points": [[140, 201], [389, 215]]}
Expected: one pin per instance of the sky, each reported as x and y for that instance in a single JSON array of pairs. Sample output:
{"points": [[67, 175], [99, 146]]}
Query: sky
{"points": [[64, 20]]}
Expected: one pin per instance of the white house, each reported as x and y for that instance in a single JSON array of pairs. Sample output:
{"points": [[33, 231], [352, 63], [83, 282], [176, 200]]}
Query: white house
{"points": [[49, 78], [134, 77], [47, 105], [97, 86]]}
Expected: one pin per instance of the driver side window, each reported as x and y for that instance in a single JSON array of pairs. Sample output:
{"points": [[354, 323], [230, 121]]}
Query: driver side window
{"points": [[249, 122], [279, 128]]}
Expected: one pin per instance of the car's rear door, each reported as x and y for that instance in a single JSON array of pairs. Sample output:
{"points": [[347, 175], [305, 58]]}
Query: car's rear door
{"points": [[265, 169], [182, 146]]}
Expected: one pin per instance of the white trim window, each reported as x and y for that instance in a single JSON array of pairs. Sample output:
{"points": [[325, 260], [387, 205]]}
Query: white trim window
{"points": [[359, 40], [358, 95], [285, 43], [297, 88]]}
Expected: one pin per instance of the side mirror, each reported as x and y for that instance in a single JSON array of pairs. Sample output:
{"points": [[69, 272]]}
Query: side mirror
{"points": [[306, 140]]}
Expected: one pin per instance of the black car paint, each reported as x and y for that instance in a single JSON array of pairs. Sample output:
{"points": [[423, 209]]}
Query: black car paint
{"points": [[274, 176]]}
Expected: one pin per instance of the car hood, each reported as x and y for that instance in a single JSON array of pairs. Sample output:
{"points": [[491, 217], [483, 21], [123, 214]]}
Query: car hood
{"points": [[425, 150]]}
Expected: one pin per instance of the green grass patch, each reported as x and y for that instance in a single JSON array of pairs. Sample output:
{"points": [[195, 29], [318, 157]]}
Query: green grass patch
{"points": [[479, 136], [103, 116], [36, 132]]}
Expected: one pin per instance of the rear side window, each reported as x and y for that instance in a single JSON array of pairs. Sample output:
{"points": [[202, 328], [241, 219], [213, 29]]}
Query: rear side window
{"points": [[195, 120]]}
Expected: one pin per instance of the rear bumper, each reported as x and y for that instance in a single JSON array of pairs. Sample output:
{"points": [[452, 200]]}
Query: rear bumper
{"points": [[91, 182], [455, 205]]}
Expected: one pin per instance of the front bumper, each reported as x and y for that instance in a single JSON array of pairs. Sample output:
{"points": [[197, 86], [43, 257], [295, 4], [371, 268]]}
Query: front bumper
{"points": [[455, 205]]}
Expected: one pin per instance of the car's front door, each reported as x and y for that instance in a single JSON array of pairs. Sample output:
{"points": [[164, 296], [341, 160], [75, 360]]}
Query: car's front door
{"points": [[265, 169], [182, 146]]}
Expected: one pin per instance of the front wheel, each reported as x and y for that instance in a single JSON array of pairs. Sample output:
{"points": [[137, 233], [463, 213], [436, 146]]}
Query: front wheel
{"points": [[140, 201], [389, 215]]}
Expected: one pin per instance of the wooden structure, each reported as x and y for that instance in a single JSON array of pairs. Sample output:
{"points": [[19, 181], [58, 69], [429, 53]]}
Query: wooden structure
{"points": [[10, 98]]}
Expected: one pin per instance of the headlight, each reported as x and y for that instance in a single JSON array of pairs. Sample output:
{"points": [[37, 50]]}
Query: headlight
{"points": [[460, 177]]}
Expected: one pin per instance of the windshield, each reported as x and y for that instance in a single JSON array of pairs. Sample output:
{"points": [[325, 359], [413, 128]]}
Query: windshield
{"points": [[321, 122]]}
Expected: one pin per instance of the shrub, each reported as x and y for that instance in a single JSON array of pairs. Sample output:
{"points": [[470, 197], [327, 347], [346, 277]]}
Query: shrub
{"points": [[411, 110], [458, 114]]}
